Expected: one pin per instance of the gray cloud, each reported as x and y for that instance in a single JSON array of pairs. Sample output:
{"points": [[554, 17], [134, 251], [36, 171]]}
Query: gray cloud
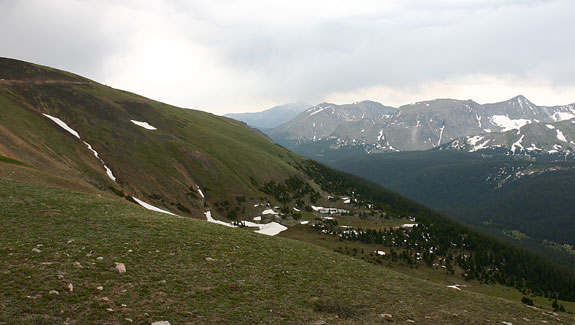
{"points": [[65, 34], [523, 41], [260, 51]]}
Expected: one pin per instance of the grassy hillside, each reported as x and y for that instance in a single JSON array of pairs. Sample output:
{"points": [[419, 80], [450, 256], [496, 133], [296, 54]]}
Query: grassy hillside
{"points": [[188, 150], [183, 270]]}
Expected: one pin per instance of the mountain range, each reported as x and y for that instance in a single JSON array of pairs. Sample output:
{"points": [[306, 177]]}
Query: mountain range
{"points": [[369, 127]]}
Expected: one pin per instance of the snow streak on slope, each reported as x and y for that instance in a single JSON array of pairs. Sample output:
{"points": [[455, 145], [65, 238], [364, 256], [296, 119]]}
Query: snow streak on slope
{"points": [[441, 134], [145, 125], [212, 220], [561, 136], [65, 126], [151, 207], [319, 109], [517, 144], [108, 171], [380, 136]]}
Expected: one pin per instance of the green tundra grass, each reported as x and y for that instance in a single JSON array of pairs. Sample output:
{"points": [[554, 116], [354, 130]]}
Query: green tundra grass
{"points": [[189, 271]]}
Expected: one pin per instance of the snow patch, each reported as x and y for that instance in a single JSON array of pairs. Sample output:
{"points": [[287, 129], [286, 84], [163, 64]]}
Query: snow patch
{"points": [[561, 136], [145, 125], [518, 144], [380, 136], [212, 220], [271, 229], [455, 286], [269, 211], [533, 147], [504, 122], [316, 208], [408, 225], [304, 222], [201, 193], [257, 219], [549, 126], [151, 207], [319, 110], [473, 140], [480, 146], [380, 253], [561, 116], [556, 148]]}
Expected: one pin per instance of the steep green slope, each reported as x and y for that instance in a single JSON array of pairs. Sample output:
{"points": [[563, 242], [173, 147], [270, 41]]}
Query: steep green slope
{"points": [[189, 150], [59, 251]]}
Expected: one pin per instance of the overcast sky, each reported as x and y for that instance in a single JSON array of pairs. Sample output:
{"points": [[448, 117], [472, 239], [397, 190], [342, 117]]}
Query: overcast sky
{"points": [[234, 56]]}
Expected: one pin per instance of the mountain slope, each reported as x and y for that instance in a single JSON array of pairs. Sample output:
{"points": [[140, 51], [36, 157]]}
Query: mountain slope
{"points": [[418, 126], [75, 133], [271, 118], [188, 154], [57, 269]]}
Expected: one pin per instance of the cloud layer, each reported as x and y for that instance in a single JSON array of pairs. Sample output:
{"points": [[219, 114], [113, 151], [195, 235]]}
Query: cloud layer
{"points": [[225, 56]]}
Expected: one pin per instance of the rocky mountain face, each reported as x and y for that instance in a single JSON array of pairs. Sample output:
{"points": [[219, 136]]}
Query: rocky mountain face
{"points": [[327, 120], [369, 127], [537, 140], [271, 118]]}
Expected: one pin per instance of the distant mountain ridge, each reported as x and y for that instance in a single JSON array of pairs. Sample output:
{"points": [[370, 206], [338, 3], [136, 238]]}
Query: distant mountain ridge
{"points": [[371, 128], [271, 118]]}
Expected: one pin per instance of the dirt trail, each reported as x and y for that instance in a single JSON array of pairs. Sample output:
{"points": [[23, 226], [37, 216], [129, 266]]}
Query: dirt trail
{"points": [[42, 82]]}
